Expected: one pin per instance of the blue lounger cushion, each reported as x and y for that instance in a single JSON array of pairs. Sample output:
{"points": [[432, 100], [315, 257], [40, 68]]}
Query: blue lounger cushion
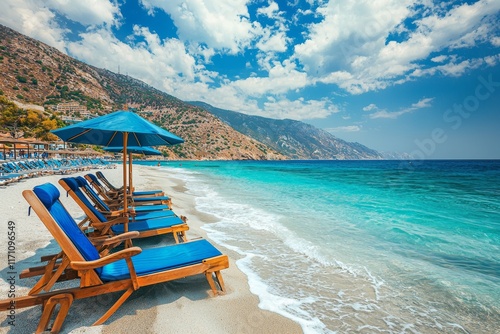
{"points": [[147, 225], [49, 196], [153, 215], [143, 199], [153, 260], [146, 192], [149, 261], [74, 185], [150, 199], [147, 208], [143, 208]]}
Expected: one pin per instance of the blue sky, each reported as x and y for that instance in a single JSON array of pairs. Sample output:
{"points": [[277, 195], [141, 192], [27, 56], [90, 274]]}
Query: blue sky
{"points": [[421, 77]]}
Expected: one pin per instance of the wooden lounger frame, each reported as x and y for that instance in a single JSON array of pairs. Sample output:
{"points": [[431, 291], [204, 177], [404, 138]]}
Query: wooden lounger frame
{"points": [[104, 228], [90, 284]]}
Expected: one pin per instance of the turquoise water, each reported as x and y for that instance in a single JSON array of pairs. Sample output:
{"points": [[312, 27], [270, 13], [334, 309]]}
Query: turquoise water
{"points": [[361, 246]]}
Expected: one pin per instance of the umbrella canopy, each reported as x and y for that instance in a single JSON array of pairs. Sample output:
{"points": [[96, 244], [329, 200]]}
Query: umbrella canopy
{"points": [[134, 149], [120, 128], [146, 150], [105, 130]]}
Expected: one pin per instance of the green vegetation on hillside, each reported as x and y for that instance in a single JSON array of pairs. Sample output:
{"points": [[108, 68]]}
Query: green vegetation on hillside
{"points": [[31, 123]]}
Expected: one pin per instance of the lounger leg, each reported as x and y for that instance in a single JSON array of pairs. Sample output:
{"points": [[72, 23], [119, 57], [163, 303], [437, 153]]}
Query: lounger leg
{"points": [[64, 300], [115, 307], [220, 280], [211, 282]]}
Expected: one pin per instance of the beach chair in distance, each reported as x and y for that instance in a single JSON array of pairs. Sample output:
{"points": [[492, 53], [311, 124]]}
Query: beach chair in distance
{"points": [[118, 197], [118, 225], [135, 213], [111, 187], [115, 210], [126, 270]]}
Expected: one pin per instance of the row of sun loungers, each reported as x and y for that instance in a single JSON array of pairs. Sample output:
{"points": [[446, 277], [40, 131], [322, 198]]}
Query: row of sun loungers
{"points": [[98, 251], [14, 171]]}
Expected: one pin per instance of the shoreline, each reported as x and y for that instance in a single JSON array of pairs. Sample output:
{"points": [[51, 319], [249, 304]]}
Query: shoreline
{"points": [[182, 305]]}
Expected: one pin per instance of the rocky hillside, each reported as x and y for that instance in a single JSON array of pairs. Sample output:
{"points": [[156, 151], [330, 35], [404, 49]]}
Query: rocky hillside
{"points": [[294, 139], [36, 74], [39, 77]]}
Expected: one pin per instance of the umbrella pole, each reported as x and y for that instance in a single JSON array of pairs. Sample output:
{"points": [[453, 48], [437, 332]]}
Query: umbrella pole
{"points": [[130, 187], [125, 204]]}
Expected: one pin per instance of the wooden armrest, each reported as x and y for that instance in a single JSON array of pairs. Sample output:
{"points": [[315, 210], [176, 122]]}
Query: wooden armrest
{"points": [[180, 227], [123, 254], [117, 220], [117, 238]]}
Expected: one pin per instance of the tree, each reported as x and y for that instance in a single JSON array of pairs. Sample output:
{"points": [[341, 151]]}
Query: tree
{"points": [[11, 116]]}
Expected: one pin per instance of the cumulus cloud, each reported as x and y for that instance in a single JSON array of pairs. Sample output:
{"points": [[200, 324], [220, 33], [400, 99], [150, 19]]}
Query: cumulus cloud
{"points": [[269, 11], [37, 18], [282, 78], [298, 109], [352, 46], [439, 59], [88, 12], [34, 19], [357, 45], [160, 63], [219, 24]]}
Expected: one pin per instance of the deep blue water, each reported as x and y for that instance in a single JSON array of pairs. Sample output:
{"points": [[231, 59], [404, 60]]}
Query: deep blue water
{"points": [[361, 246]]}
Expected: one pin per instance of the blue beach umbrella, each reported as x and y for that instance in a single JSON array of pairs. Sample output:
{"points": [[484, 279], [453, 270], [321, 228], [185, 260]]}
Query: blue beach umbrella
{"points": [[120, 128], [146, 150]]}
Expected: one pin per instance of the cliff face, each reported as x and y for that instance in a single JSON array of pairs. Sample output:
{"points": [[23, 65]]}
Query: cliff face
{"points": [[34, 74], [296, 140]]}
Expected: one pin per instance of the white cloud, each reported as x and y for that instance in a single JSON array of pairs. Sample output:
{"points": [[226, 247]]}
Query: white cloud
{"points": [[455, 68], [370, 107], [439, 59], [350, 47], [219, 24], [348, 128], [282, 78], [269, 11], [382, 113], [492, 60], [298, 109], [273, 40], [88, 12], [160, 63], [34, 19], [423, 103], [352, 40]]}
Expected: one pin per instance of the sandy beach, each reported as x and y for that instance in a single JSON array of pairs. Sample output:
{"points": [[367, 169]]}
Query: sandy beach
{"points": [[184, 305]]}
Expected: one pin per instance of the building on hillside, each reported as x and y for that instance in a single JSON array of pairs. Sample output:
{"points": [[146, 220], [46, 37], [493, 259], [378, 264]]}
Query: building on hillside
{"points": [[71, 108]]}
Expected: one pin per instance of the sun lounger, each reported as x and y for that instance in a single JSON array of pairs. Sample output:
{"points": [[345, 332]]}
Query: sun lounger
{"points": [[115, 209], [111, 187], [146, 227], [118, 196], [126, 270]]}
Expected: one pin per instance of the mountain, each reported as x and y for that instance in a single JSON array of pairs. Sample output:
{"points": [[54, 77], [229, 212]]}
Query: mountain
{"points": [[296, 140], [40, 77]]}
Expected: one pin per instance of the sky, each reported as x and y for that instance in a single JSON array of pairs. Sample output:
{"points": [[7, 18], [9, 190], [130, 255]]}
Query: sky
{"points": [[416, 77]]}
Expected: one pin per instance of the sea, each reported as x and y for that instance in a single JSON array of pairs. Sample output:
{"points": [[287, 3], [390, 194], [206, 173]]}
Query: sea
{"points": [[360, 246]]}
